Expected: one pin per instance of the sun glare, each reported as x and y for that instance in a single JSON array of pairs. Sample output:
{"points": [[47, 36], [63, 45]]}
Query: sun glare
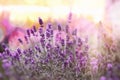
{"points": [[55, 9]]}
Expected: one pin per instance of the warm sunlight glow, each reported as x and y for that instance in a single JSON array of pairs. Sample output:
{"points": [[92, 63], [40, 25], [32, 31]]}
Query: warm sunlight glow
{"points": [[57, 9], [93, 8]]}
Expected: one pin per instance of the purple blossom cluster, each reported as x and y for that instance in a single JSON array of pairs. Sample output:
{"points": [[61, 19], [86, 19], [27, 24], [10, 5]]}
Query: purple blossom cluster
{"points": [[52, 54], [56, 53]]}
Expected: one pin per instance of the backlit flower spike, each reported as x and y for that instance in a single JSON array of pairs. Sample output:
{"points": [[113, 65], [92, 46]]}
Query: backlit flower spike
{"points": [[4, 45], [19, 51], [70, 17], [34, 28], [20, 41], [63, 42], [74, 32], [48, 31], [28, 33], [26, 38], [50, 28], [67, 28], [38, 49], [40, 30], [32, 31], [59, 27], [40, 22], [8, 52]]}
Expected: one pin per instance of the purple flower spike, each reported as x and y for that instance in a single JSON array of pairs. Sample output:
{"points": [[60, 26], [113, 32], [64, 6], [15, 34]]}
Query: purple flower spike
{"points": [[4, 46], [74, 32], [65, 64], [8, 52], [40, 21], [49, 26], [67, 38], [28, 32], [70, 17], [47, 34], [63, 42], [51, 32], [40, 30], [32, 32], [34, 28], [67, 28], [26, 39], [37, 48], [59, 27], [16, 56], [20, 40], [79, 42], [19, 51], [48, 46], [30, 50]]}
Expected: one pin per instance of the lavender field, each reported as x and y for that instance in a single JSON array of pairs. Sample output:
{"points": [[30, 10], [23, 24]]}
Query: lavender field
{"points": [[59, 40], [59, 53]]}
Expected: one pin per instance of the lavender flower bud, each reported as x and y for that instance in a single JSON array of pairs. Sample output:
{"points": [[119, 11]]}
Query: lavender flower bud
{"points": [[63, 42], [32, 61], [8, 52], [40, 30], [34, 28], [40, 21], [67, 28], [70, 17], [65, 64], [67, 38], [26, 61], [20, 40], [19, 51], [37, 48], [32, 32], [74, 32], [4, 46], [48, 56], [28, 32], [24, 51], [79, 42], [47, 34], [59, 27], [30, 50], [26, 39], [16, 56], [51, 32], [49, 26]]}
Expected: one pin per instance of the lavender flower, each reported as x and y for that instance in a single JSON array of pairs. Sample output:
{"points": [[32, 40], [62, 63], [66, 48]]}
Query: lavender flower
{"points": [[59, 27], [28, 32], [34, 28], [40, 21]]}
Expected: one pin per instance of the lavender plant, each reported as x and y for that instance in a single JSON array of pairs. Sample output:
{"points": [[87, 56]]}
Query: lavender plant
{"points": [[48, 53], [51, 55]]}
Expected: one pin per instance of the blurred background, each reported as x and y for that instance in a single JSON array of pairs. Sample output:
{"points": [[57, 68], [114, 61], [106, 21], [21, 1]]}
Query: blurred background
{"points": [[19, 15]]}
